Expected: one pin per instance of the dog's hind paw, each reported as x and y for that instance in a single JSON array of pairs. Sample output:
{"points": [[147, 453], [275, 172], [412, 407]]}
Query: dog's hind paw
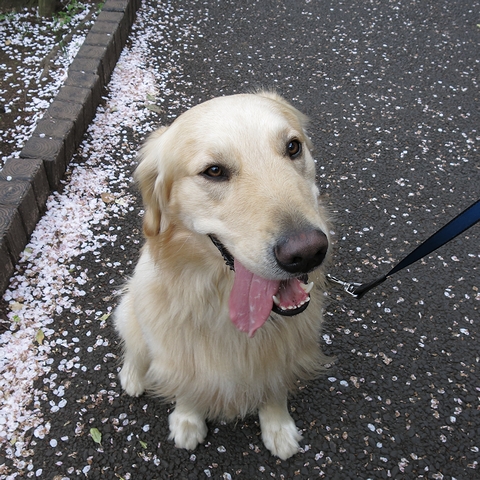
{"points": [[188, 429]]}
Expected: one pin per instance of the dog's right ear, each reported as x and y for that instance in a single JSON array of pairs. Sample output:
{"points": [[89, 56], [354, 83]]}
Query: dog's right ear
{"points": [[153, 183]]}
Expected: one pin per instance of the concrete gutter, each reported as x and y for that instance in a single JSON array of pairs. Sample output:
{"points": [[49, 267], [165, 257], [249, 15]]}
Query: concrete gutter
{"points": [[26, 182]]}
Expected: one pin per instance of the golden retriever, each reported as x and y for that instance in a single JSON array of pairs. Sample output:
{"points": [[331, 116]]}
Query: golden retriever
{"points": [[231, 181]]}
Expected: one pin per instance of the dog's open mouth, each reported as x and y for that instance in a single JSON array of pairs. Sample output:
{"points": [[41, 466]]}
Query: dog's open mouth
{"points": [[253, 298], [290, 290]]}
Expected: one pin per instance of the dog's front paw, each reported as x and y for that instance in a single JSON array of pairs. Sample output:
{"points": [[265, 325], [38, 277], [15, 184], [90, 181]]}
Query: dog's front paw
{"points": [[131, 381], [188, 429], [281, 438], [279, 433]]}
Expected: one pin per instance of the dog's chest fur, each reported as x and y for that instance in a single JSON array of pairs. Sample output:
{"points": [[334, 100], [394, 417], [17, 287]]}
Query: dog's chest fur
{"points": [[197, 352]]}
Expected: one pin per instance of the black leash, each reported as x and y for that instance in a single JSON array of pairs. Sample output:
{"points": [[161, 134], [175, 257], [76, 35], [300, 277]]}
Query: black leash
{"points": [[455, 227]]}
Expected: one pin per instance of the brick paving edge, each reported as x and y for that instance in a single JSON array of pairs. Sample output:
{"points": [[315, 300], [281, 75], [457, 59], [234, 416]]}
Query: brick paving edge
{"points": [[26, 182]]}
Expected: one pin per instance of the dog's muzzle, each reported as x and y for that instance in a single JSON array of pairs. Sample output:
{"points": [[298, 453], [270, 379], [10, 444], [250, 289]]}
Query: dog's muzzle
{"points": [[229, 261]]}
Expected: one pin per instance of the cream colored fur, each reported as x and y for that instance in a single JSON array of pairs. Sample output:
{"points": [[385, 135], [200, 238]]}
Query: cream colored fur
{"points": [[179, 341]]}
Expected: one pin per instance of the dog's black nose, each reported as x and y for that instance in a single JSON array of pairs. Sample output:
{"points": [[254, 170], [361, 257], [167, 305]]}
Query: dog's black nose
{"points": [[301, 252]]}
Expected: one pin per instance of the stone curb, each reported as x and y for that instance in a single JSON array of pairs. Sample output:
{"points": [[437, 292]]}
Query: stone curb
{"points": [[26, 182]]}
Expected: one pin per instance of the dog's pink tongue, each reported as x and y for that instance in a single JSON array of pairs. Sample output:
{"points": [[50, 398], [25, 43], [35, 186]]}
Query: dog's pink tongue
{"points": [[251, 299]]}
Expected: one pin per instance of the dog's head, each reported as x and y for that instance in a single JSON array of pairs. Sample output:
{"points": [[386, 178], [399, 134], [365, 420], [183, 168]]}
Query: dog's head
{"points": [[239, 168]]}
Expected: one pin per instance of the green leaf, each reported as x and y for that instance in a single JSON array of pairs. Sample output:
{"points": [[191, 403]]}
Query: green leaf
{"points": [[104, 317], [39, 337], [143, 444], [154, 108], [96, 435]]}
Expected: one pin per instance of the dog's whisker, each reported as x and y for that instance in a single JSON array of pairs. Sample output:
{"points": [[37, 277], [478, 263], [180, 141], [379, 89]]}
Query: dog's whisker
{"points": [[180, 247]]}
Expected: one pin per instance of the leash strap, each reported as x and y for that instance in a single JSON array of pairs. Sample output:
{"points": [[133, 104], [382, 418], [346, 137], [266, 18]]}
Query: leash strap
{"points": [[452, 229]]}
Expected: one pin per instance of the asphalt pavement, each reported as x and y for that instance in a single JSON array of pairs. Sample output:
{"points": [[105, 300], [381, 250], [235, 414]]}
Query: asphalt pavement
{"points": [[391, 88]]}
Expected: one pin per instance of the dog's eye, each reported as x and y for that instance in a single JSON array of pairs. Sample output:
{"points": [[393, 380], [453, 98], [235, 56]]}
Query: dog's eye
{"points": [[216, 172], [294, 148]]}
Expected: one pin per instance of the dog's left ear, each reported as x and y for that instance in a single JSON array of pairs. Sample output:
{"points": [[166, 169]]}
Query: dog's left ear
{"points": [[153, 183]]}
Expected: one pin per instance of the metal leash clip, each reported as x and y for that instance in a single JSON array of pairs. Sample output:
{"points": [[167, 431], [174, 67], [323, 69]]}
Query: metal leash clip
{"points": [[347, 286], [452, 229]]}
